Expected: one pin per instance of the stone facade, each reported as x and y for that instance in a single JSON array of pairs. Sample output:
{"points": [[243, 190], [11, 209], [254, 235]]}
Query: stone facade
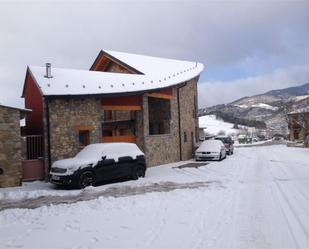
{"points": [[188, 120], [165, 148], [299, 126], [10, 147], [67, 118], [161, 149]]}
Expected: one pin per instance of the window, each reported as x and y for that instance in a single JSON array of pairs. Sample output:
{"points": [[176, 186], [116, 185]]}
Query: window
{"points": [[185, 139], [159, 116], [195, 108], [107, 133], [108, 115], [83, 137], [123, 132]]}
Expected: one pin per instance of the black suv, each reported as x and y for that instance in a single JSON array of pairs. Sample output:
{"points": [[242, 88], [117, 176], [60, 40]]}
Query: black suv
{"points": [[98, 163]]}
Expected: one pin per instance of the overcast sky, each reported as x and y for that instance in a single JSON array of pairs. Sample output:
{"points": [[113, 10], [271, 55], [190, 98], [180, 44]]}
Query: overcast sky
{"points": [[247, 47]]}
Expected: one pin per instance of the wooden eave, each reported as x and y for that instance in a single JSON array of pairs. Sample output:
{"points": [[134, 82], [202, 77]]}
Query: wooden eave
{"points": [[115, 60]]}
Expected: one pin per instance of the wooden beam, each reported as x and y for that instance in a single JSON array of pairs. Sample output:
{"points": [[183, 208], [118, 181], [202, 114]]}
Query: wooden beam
{"points": [[84, 127], [112, 139], [122, 107], [160, 95]]}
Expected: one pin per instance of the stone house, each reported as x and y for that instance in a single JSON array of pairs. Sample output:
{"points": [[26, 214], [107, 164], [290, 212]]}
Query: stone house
{"points": [[124, 97], [10, 146], [298, 123]]}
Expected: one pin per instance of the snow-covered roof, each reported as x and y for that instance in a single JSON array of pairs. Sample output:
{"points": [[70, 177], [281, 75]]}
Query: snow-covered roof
{"points": [[14, 107], [157, 73]]}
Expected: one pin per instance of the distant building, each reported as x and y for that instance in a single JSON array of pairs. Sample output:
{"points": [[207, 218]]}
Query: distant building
{"points": [[299, 124], [124, 97]]}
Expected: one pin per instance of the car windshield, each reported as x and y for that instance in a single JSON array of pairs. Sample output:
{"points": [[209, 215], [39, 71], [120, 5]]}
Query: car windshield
{"points": [[90, 151], [225, 140]]}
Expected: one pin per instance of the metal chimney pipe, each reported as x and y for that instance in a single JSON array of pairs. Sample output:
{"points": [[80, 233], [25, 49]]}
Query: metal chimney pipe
{"points": [[48, 70]]}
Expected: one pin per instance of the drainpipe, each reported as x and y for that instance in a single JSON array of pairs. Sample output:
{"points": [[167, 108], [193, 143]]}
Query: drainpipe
{"points": [[179, 121]]}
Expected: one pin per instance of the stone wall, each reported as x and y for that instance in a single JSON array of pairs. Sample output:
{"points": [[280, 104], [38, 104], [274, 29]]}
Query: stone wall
{"points": [[66, 118], [165, 148], [299, 123], [161, 149], [188, 114], [121, 115], [10, 147]]}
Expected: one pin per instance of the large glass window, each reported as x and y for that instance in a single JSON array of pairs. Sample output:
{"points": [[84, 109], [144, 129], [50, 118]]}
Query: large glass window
{"points": [[159, 116]]}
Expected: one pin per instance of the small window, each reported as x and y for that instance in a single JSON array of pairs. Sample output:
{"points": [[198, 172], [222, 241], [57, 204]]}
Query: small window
{"points": [[123, 132], [83, 138], [107, 133], [108, 115], [195, 108], [185, 136]]}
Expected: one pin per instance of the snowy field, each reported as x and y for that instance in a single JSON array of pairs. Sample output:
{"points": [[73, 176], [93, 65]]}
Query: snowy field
{"points": [[214, 126], [256, 198]]}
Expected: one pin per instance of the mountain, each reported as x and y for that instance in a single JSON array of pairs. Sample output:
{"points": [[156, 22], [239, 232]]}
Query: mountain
{"points": [[267, 110]]}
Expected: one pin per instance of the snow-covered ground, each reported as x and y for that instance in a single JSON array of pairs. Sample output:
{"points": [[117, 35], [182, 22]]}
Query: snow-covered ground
{"points": [[214, 126], [256, 198]]}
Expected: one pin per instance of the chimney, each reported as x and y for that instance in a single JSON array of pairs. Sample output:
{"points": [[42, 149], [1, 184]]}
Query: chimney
{"points": [[48, 70]]}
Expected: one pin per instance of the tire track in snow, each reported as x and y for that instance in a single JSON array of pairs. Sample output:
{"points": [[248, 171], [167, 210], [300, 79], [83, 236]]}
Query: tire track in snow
{"points": [[224, 214], [296, 227], [109, 192]]}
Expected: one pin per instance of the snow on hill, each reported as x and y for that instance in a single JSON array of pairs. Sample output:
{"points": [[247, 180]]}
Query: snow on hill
{"points": [[213, 126], [265, 106], [258, 105], [269, 108], [298, 98]]}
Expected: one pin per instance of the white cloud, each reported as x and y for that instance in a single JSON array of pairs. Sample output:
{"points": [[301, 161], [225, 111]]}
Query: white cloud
{"points": [[220, 92], [217, 33]]}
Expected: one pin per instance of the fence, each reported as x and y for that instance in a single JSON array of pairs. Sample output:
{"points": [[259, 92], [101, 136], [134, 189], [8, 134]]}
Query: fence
{"points": [[33, 166], [34, 147]]}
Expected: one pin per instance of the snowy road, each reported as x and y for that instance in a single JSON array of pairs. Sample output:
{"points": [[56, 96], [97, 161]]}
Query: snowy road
{"points": [[261, 202]]}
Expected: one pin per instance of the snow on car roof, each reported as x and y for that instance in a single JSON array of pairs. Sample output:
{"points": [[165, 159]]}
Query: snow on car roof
{"points": [[110, 150], [158, 73], [210, 145]]}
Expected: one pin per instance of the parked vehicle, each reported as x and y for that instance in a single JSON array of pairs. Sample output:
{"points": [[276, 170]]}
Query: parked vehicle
{"points": [[228, 143], [97, 163], [211, 150]]}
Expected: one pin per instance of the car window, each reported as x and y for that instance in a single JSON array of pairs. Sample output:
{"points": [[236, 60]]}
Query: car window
{"points": [[125, 159], [108, 162]]}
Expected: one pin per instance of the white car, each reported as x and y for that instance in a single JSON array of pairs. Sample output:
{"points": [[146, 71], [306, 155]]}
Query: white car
{"points": [[211, 150]]}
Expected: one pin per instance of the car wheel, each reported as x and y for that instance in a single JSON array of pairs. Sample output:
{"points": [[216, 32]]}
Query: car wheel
{"points": [[86, 179], [138, 172]]}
